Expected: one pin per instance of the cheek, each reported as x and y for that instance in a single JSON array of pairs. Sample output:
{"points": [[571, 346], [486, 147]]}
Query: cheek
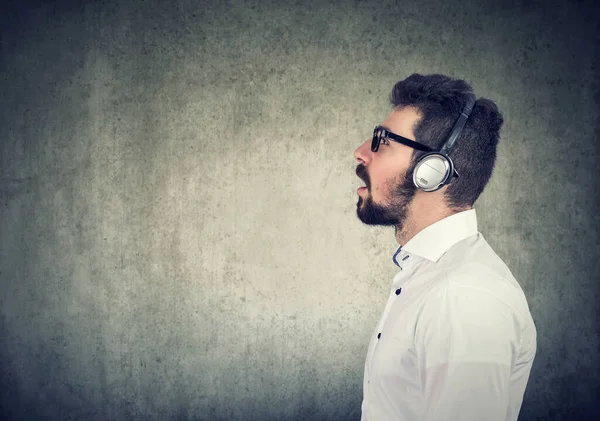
{"points": [[380, 188], [392, 185], [389, 174]]}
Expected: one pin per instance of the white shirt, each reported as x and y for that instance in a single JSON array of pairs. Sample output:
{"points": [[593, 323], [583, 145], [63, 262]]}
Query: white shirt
{"points": [[456, 340]]}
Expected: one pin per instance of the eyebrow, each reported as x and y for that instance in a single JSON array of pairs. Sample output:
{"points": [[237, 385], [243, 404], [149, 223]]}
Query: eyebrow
{"points": [[394, 133], [406, 141], [391, 131]]}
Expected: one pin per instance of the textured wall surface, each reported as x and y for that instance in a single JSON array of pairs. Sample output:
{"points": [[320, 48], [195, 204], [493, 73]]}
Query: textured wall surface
{"points": [[177, 215]]}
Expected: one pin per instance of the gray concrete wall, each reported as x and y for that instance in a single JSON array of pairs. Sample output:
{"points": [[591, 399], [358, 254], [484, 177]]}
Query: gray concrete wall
{"points": [[177, 214]]}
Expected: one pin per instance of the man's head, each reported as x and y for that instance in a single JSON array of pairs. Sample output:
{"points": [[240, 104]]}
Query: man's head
{"points": [[425, 109]]}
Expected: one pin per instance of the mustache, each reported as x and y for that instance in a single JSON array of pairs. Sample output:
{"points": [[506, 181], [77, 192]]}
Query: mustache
{"points": [[361, 172]]}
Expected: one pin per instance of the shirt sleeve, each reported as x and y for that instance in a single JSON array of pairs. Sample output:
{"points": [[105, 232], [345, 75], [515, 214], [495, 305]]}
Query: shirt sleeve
{"points": [[467, 341]]}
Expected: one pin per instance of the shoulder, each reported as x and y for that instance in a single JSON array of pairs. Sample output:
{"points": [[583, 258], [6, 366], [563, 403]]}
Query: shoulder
{"points": [[473, 269], [475, 299]]}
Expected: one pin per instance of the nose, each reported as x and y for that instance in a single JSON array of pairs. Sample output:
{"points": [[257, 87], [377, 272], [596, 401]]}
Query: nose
{"points": [[363, 153]]}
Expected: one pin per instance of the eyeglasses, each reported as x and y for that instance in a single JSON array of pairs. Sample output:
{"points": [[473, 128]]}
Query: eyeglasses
{"points": [[380, 133]]}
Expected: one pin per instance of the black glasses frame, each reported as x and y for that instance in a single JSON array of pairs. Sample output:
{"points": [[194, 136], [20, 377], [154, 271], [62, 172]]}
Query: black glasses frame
{"points": [[380, 133]]}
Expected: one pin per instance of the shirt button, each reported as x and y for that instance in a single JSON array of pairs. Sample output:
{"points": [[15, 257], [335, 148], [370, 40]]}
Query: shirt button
{"points": [[398, 291], [379, 335]]}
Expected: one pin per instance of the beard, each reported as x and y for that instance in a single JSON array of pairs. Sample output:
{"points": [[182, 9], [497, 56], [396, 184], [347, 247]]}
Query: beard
{"points": [[395, 213]]}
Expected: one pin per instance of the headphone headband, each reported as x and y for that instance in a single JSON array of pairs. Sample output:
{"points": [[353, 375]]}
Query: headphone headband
{"points": [[458, 126]]}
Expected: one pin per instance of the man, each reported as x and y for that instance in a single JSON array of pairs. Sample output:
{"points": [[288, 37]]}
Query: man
{"points": [[456, 339]]}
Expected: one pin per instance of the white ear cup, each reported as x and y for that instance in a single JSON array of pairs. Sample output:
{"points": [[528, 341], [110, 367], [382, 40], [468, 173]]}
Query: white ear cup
{"points": [[431, 171]]}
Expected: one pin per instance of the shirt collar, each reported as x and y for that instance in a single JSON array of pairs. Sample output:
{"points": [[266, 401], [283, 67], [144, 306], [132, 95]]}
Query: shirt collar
{"points": [[434, 240]]}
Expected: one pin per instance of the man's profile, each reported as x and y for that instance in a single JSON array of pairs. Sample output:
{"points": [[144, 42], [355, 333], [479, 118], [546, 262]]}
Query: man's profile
{"points": [[456, 340]]}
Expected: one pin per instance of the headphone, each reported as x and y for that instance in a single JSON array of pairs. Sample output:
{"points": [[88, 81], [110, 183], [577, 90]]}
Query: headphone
{"points": [[435, 169]]}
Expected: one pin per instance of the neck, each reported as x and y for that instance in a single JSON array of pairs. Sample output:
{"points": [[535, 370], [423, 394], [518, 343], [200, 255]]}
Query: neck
{"points": [[425, 209]]}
